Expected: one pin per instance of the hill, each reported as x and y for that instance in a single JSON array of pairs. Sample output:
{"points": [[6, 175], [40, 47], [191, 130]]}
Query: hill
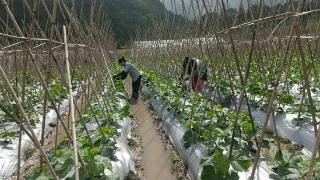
{"points": [[127, 16]]}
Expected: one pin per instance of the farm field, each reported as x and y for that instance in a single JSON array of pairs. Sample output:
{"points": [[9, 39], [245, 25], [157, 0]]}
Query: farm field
{"points": [[65, 112]]}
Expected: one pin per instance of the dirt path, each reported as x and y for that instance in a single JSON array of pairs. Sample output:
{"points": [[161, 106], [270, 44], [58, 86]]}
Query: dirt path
{"points": [[155, 157]]}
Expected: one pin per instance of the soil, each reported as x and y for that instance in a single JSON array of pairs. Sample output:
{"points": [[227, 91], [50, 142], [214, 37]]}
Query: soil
{"points": [[155, 157], [177, 166], [135, 144]]}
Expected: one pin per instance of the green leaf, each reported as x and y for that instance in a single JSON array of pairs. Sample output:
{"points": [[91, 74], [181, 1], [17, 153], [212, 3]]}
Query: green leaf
{"points": [[108, 131], [96, 139], [208, 173], [98, 111], [288, 99], [33, 175], [222, 163], [42, 177], [255, 89], [84, 142], [53, 159], [7, 134], [190, 138], [82, 173], [63, 170], [95, 150], [267, 142], [241, 165], [104, 161], [39, 174], [94, 168], [248, 129], [233, 176], [278, 156], [108, 150]]}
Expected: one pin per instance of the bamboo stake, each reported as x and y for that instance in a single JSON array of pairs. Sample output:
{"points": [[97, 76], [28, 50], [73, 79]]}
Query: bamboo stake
{"points": [[257, 157], [74, 135], [17, 121], [87, 99], [243, 82], [29, 51], [64, 82], [25, 117], [19, 154], [261, 20], [17, 100]]}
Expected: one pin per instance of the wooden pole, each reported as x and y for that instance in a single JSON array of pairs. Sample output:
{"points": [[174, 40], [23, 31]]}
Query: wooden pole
{"points": [[25, 117], [17, 101], [37, 69], [74, 135]]}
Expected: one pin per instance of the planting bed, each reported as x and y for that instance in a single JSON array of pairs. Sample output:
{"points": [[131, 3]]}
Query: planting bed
{"points": [[257, 116], [104, 149], [9, 134], [109, 151], [198, 128]]}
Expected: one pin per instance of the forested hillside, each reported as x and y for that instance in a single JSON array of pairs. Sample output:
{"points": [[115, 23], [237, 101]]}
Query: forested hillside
{"points": [[131, 16], [127, 16]]}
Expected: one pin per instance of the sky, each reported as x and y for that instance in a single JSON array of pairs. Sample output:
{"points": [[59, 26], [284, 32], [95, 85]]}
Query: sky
{"points": [[176, 5]]}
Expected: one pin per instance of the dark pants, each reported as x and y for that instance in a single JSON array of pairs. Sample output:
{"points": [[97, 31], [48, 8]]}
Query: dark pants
{"points": [[135, 88]]}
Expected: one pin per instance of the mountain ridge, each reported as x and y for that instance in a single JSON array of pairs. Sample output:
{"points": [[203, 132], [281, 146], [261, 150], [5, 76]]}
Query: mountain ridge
{"points": [[127, 16]]}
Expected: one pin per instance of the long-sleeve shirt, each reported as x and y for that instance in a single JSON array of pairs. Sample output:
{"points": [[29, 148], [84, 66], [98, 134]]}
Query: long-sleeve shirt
{"points": [[131, 70], [194, 67]]}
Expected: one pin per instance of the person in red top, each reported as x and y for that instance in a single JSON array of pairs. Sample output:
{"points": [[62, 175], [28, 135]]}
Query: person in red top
{"points": [[196, 71]]}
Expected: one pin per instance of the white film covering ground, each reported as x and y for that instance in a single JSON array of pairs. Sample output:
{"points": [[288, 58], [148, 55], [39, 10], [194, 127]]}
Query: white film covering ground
{"points": [[192, 156], [9, 152]]}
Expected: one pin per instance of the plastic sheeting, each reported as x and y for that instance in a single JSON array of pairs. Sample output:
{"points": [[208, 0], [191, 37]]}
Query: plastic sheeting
{"points": [[263, 172], [125, 161], [287, 128], [175, 132], [9, 152], [192, 156], [302, 135]]}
